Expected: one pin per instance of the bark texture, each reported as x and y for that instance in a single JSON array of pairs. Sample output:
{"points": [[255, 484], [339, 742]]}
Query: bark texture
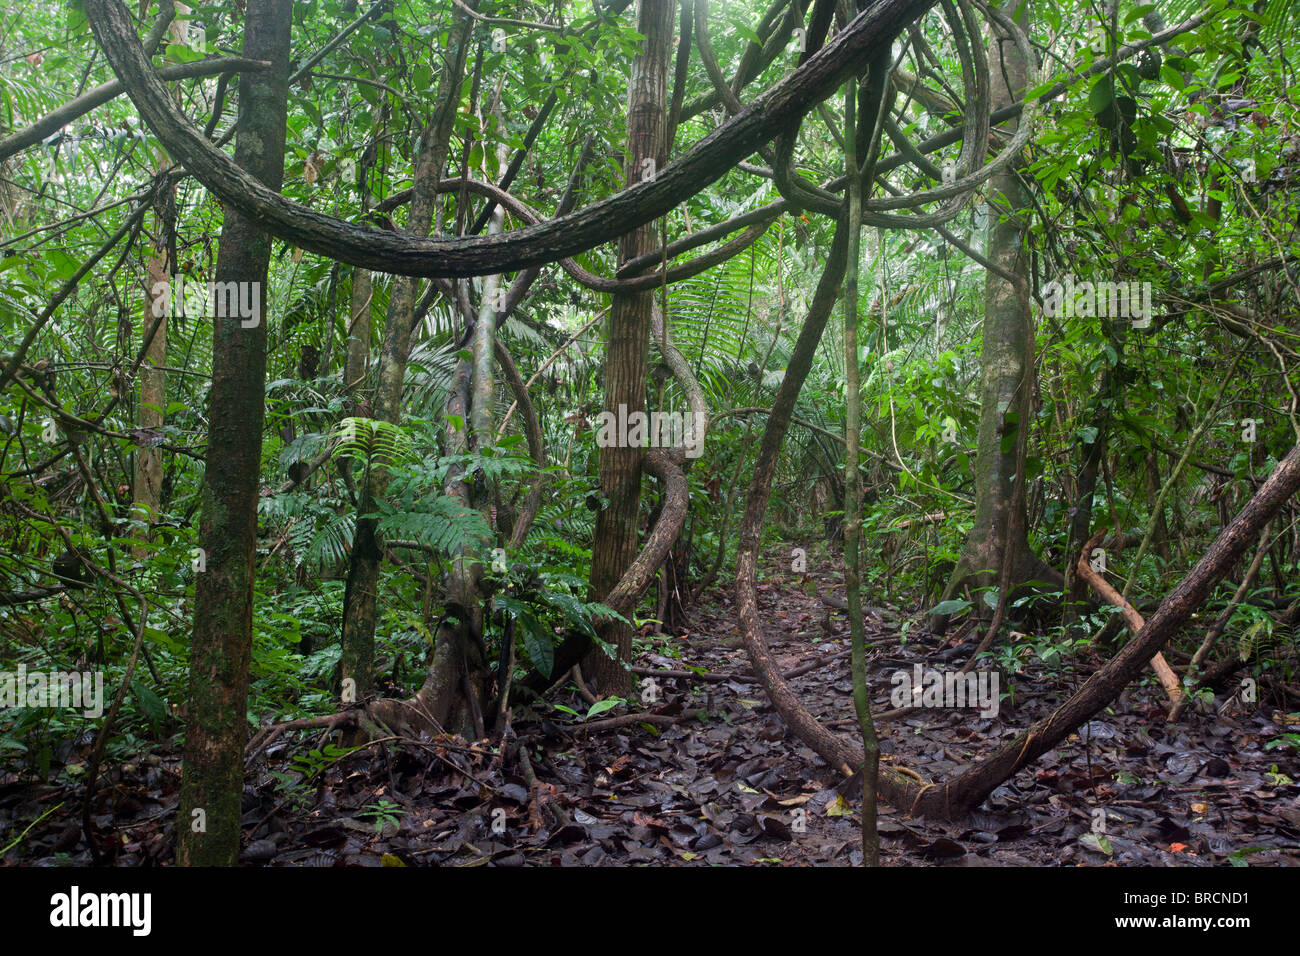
{"points": [[208, 823], [617, 525], [997, 548]]}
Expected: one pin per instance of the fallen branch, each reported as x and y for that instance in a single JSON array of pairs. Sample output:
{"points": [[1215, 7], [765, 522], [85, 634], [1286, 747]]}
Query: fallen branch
{"points": [[343, 720], [613, 722], [1168, 679], [969, 789]]}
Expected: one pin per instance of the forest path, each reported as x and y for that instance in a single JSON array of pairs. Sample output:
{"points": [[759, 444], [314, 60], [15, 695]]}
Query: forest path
{"points": [[721, 781], [727, 784]]}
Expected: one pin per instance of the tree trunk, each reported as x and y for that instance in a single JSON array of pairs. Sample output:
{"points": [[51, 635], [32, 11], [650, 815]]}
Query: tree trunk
{"points": [[146, 489], [208, 821], [358, 347], [457, 675], [146, 486], [1085, 488], [357, 360], [362, 591], [853, 479], [616, 539], [1007, 386]]}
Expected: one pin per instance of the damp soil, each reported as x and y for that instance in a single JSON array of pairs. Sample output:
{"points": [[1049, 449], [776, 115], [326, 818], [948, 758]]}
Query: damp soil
{"points": [[714, 777]]}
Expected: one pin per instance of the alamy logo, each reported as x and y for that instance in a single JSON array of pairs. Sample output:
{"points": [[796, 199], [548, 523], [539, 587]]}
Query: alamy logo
{"points": [[1114, 300], [653, 430], [927, 687], [73, 909], [194, 299], [83, 690]]}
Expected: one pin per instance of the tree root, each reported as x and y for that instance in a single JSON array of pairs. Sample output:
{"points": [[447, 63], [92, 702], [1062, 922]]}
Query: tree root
{"points": [[389, 712]]}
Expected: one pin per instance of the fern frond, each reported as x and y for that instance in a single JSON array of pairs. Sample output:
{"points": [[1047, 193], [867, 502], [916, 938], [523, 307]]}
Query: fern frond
{"points": [[443, 524], [331, 542], [369, 441]]}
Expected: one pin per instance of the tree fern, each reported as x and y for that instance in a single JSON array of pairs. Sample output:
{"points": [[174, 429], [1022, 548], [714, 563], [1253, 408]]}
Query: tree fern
{"points": [[442, 524], [369, 441]]}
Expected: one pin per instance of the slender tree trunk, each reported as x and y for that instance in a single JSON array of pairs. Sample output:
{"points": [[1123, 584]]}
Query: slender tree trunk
{"points": [[358, 349], [208, 824], [1086, 486], [146, 486], [1160, 528], [1008, 347], [455, 683], [357, 361], [146, 490], [617, 525], [362, 590], [442, 682], [999, 536], [853, 487]]}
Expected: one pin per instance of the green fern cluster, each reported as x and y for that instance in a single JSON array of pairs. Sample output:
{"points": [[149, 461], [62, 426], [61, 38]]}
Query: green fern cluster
{"points": [[369, 441], [439, 523]]}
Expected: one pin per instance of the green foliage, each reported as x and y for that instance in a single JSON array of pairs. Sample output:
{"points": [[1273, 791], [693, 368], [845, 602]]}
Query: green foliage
{"points": [[1291, 740], [532, 607], [441, 524], [384, 813], [599, 707], [1175, 168], [367, 442], [296, 782]]}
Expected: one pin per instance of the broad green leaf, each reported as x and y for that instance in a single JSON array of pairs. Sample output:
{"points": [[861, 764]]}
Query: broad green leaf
{"points": [[954, 606]]}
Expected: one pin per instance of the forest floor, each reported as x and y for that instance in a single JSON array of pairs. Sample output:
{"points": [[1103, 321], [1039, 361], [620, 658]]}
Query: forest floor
{"points": [[726, 783]]}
